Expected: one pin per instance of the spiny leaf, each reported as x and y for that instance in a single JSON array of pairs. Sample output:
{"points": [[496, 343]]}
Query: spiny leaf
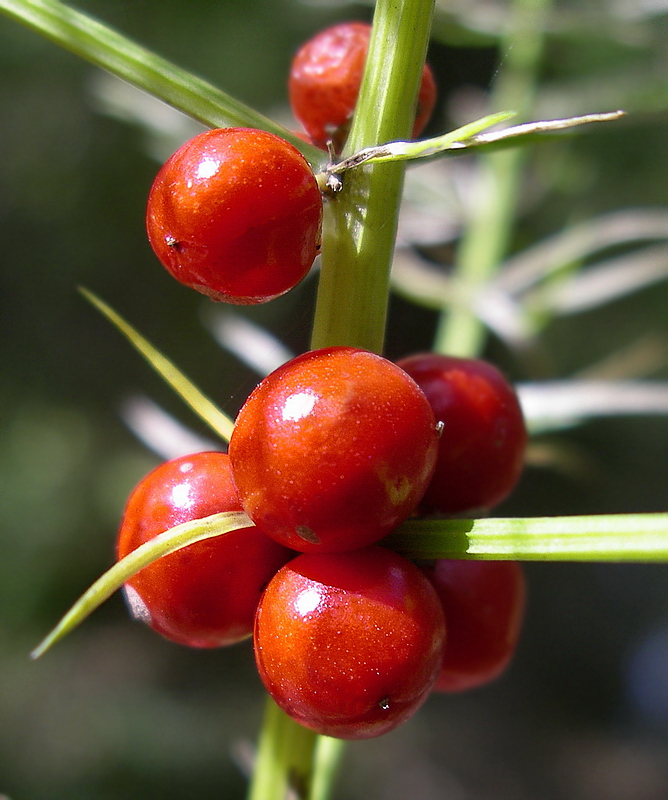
{"points": [[199, 403], [161, 545]]}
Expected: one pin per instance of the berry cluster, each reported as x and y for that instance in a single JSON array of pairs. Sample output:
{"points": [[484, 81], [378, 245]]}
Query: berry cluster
{"points": [[236, 213], [329, 454]]}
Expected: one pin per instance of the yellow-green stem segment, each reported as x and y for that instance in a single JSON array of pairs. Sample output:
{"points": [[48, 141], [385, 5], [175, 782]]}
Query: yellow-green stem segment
{"points": [[361, 221]]}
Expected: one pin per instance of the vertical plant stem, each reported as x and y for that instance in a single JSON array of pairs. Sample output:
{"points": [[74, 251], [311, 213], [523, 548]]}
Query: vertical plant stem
{"points": [[285, 758], [358, 243], [487, 233], [361, 221], [328, 756]]}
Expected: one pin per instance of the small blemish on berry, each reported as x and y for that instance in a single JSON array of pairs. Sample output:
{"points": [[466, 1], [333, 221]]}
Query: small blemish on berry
{"points": [[440, 427], [170, 241], [385, 704], [307, 534]]}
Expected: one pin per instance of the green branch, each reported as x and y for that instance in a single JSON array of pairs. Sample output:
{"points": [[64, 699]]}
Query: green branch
{"points": [[466, 138], [487, 232], [605, 537]]}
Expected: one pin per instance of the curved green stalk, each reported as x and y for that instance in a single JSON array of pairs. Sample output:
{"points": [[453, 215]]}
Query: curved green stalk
{"points": [[161, 545], [110, 50], [358, 243], [328, 754]]}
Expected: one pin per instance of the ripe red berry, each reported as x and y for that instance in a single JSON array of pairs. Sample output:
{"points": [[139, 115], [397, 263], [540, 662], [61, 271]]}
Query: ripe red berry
{"points": [[325, 80], [333, 450], [349, 644], [236, 214], [206, 594], [483, 602], [481, 449]]}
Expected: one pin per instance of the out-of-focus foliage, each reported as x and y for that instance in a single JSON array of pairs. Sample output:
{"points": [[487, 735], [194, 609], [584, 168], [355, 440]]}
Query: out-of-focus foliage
{"points": [[115, 712]]}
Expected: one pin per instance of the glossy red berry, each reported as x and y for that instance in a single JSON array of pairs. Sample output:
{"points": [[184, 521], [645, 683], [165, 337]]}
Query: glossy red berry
{"points": [[349, 644], [236, 214], [481, 449], [483, 602], [325, 80], [333, 450], [206, 594]]}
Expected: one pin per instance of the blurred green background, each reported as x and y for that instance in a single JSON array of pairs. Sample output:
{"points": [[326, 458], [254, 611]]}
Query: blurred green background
{"points": [[115, 712]]}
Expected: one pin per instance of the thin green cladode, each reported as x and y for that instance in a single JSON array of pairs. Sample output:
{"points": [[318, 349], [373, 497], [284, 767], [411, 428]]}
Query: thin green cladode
{"points": [[597, 537], [170, 373], [161, 545], [106, 48]]}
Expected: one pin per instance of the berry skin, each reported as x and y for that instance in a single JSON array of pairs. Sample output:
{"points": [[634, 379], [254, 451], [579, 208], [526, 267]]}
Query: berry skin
{"points": [[481, 449], [206, 594], [483, 602], [325, 81], [236, 214], [349, 644], [333, 450]]}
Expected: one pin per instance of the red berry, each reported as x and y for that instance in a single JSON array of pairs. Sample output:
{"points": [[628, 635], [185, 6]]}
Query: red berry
{"points": [[325, 80], [205, 594], [481, 450], [483, 602], [236, 214], [333, 450], [349, 644]]}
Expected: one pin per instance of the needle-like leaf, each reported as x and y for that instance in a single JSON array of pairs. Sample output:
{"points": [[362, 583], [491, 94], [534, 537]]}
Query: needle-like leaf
{"points": [[161, 545], [198, 401]]}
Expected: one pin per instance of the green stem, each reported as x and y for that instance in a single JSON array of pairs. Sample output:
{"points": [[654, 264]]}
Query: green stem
{"points": [[602, 537], [487, 233], [361, 221], [285, 757], [328, 756], [110, 50]]}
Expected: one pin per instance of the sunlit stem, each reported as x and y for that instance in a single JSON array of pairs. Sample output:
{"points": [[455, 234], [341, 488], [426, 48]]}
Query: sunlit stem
{"points": [[361, 221]]}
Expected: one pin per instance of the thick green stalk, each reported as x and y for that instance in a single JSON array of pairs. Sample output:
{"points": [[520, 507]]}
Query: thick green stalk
{"points": [[488, 230], [285, 757], [361, 221]]}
